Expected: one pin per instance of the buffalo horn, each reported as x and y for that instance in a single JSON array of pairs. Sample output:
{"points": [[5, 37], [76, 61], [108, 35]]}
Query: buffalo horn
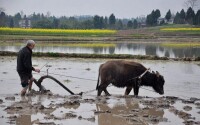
{"points": [[157, 73]]}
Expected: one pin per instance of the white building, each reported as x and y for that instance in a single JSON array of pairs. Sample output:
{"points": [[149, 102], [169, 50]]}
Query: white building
{"points": [[160, 20], [25, 23]]}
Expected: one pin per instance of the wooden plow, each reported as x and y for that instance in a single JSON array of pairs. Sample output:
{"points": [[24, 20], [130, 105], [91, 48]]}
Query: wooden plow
{"points": [[38, 83]]}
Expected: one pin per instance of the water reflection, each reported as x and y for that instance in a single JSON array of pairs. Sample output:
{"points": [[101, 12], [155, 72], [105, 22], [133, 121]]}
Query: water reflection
{"points": [[120, 48], [128, 112], [28, 110]]}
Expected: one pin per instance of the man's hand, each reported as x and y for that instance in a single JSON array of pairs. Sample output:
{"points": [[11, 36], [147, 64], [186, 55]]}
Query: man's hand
{"points": [[37, 70]]}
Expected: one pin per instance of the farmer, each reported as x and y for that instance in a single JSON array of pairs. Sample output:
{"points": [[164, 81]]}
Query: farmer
{"points": [[24, 66]]}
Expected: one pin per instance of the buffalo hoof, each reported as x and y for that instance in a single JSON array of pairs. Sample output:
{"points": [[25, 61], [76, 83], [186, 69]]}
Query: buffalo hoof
{"points": [[108, 94]]}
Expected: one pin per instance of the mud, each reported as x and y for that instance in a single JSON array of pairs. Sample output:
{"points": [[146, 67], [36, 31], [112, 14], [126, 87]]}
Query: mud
{"points": [[126, 110], [179, 105]]}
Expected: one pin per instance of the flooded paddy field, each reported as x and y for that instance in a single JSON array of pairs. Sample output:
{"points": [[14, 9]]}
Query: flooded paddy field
{"points": [[179, 105], [159, 49]]}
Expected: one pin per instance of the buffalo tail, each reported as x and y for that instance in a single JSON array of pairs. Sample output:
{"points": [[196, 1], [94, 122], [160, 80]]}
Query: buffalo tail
{"points": [[98, 81]]}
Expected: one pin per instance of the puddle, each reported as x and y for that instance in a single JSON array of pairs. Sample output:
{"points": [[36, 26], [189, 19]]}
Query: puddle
{"points": [[179, 105]]}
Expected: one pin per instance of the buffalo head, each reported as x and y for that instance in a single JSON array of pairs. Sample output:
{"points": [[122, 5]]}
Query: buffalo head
{"points": [[158, 85]]}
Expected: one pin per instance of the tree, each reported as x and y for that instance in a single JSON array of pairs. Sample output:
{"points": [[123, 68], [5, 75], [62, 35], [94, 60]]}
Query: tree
{"points": [[55, 23], [157, 14], [129, 24], [177, 18], [48, 14], [88, 24], [119, 24], [101, 21], [168, 15], [2, 9], [64, 25], [190, 15], [42, 16], [11, 25], [35, 17], [182, 17], [98, 22], [17, 17], [149, 20], [197, 18], [153, 17], [43, 24], [73, 23], [2, 19], [105, 22], [192, 3], [135, 24], [112, 20]]}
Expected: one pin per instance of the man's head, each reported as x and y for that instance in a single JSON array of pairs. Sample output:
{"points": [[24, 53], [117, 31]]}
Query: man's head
{"points": [[30, 44]]}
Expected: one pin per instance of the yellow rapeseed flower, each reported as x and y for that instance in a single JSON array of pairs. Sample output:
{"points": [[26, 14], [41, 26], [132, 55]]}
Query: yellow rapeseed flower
{"points": [[180, 29], [6, 30]]}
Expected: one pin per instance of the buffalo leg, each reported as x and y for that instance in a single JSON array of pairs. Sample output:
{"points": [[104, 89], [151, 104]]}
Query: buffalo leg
{"points": [[102, 87], [106, 92], [136, 88], [128, 90], [99, 91]]}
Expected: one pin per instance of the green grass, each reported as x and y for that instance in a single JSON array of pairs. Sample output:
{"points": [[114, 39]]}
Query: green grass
{"points": [[171, 26], [157, 28]]}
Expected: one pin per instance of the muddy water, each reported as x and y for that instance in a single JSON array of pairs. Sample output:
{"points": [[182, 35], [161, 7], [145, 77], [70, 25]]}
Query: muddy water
{"points": [[182, 81]]}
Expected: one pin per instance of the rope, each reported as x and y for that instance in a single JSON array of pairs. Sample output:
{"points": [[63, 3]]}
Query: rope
{"points": [[69, 76], [93, 90], [143, 73], [140, 76], [88, 91], [44, 65]]}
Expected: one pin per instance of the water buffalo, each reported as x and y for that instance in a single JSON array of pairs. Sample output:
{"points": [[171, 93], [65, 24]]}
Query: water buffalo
{"points": [[129, 74]]}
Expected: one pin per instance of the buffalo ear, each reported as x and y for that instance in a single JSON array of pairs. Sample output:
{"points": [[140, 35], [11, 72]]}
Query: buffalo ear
{"points": [[157, 74], [153, 72]]}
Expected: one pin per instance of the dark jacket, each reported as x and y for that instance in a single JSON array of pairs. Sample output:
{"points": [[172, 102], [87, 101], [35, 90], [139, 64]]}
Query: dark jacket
{"points": [[24, 61]]}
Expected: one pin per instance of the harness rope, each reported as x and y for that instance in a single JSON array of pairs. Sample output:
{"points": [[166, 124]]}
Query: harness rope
{"points": [[68, 76], [140, 76]]}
